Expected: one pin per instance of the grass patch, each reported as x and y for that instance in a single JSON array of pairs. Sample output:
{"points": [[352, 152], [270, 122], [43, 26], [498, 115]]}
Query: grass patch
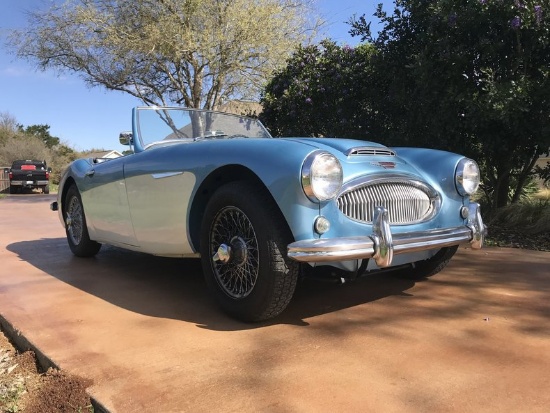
{"points": [[532, 216], [525, 224], [54, 188]]}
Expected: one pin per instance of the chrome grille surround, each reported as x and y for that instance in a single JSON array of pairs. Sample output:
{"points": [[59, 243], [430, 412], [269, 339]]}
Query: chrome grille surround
{"points": [[407, 199]]}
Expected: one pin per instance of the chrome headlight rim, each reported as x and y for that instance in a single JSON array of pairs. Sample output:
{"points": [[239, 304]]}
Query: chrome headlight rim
{"points": [[467, 177], [309, 184]]}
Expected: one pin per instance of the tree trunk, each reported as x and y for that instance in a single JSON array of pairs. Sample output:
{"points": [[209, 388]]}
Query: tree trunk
{"points": [[522, 178], [500, 196]]}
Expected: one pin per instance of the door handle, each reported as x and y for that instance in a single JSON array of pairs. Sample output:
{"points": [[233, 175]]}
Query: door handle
{"points": [[90, 173]]}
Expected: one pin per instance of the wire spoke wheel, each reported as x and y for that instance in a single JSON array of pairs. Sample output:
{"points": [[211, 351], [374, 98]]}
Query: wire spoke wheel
{"points": [[73, 220], [75, 225], [243, 252], [238, 272]]}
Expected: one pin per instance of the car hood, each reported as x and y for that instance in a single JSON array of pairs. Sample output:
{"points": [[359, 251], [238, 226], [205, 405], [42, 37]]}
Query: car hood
{"points": [[360, 157], [340, 145]]}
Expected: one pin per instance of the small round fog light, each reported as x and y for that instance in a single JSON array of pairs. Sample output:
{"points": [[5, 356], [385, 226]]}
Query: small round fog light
{"points": [[464, 212], [321, 225]]}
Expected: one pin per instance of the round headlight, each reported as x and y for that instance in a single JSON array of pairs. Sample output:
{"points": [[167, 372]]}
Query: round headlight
{"points": [[321, 176], [467, 177]]}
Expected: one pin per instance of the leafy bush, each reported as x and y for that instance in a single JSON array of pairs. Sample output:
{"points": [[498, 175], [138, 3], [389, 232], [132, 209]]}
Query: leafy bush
{"points": [[470, 77], [320, 93], [528, 191], [530, 216]]}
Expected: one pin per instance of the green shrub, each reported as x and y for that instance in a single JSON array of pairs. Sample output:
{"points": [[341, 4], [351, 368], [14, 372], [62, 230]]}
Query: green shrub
{"points": [[529, 216]]}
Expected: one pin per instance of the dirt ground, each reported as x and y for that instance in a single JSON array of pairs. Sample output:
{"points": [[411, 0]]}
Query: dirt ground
{"points": [[23, 388], [144, 336]]}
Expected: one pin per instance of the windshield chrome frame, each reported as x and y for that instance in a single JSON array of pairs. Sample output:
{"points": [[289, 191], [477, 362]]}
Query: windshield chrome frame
{"points": [[138, 136]]}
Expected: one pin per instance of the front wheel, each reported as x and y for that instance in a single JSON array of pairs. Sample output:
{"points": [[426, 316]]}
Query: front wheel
{"points": [[243, 252], [75, 226], [429, 267]]}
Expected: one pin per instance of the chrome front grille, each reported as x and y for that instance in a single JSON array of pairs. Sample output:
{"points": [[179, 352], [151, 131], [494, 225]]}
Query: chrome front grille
{"points": [[407, 202]]}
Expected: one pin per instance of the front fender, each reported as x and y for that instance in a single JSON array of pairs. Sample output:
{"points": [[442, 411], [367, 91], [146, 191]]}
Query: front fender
{"points": [[73, 174], [437, 167], [277, 163]]}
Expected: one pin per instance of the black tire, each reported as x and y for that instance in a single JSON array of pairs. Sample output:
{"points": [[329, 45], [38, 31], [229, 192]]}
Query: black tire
{"points": [[423, 269], [256, 280], [46, 189], [75, 226], [13, 190]]}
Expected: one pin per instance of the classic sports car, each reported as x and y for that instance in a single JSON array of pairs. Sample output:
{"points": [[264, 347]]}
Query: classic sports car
{"points": [[260, 211]]}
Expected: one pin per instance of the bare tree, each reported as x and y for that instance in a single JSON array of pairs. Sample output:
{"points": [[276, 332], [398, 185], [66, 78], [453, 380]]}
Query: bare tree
{"points": [[24, 147], [8, 126], [200, 53]]}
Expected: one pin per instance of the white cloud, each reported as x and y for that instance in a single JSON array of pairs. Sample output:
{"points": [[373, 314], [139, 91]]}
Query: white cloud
{"points": [[12, 71], [21, 72]]}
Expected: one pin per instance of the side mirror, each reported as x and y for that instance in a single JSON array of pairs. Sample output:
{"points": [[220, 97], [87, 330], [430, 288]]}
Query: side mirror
{"points": [[6, 170], [126, 138], [49, 170]]}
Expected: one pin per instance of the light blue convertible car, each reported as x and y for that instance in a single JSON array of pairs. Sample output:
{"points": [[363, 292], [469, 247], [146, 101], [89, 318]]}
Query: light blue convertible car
{"points": [[262, 211]]}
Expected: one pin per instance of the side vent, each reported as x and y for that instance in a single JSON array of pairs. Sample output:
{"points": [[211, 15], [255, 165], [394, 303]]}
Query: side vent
{"points": [[370, 151]]}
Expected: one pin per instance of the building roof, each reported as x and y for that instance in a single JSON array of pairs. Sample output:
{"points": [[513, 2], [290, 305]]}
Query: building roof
{"points": [[104, 154]]}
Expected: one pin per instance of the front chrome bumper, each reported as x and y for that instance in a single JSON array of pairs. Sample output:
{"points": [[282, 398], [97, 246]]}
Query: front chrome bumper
{"points": [[382, 245]]}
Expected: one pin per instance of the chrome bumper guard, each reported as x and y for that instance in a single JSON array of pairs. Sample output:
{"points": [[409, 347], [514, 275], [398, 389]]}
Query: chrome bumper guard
{"points": [[382, 245]]}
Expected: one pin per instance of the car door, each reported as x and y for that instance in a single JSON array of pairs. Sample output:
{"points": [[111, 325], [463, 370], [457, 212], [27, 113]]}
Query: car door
{"points": [[159, 191], [106, 203]]}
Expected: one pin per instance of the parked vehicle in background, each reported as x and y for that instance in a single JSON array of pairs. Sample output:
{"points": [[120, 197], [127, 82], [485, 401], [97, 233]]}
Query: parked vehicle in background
{"points": [[31, 174], [260, 211]]}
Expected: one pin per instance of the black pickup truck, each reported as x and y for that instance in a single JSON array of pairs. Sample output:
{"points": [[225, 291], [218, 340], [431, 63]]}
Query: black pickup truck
{"points": [[29, 174]]}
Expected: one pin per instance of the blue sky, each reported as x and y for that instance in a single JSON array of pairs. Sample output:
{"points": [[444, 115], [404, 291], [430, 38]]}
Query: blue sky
{"points": [[84, 117]]}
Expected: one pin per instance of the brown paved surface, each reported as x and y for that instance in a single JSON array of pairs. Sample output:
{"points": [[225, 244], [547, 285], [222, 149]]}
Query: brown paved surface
{"points": [[474, 338]]}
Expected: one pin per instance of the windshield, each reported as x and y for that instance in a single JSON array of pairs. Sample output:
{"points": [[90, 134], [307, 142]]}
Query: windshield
{"points": [[163, 125]]}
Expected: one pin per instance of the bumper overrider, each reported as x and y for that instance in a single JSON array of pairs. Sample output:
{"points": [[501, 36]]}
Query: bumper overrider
{"points": [[382, 245]]}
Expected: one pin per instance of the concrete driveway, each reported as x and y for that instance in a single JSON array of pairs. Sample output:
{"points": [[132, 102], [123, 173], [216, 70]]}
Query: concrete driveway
{"points": [[474, 338]]}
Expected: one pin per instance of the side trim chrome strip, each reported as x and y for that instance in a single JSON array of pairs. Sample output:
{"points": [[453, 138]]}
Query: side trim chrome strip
{"points": [[166, 174]]}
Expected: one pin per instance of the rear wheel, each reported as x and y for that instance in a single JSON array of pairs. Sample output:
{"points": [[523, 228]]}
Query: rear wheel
{"points": [[13, 190], [46, 189], [243, 251], [429, 267], [75, 226]]}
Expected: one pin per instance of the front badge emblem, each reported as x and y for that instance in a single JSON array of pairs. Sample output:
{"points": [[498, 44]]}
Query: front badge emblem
{"points": [[385, 165]]}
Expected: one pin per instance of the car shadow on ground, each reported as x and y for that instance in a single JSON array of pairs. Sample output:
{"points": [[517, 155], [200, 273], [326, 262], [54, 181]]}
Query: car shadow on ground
{"points": [[28, 198], [175, 288]]}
